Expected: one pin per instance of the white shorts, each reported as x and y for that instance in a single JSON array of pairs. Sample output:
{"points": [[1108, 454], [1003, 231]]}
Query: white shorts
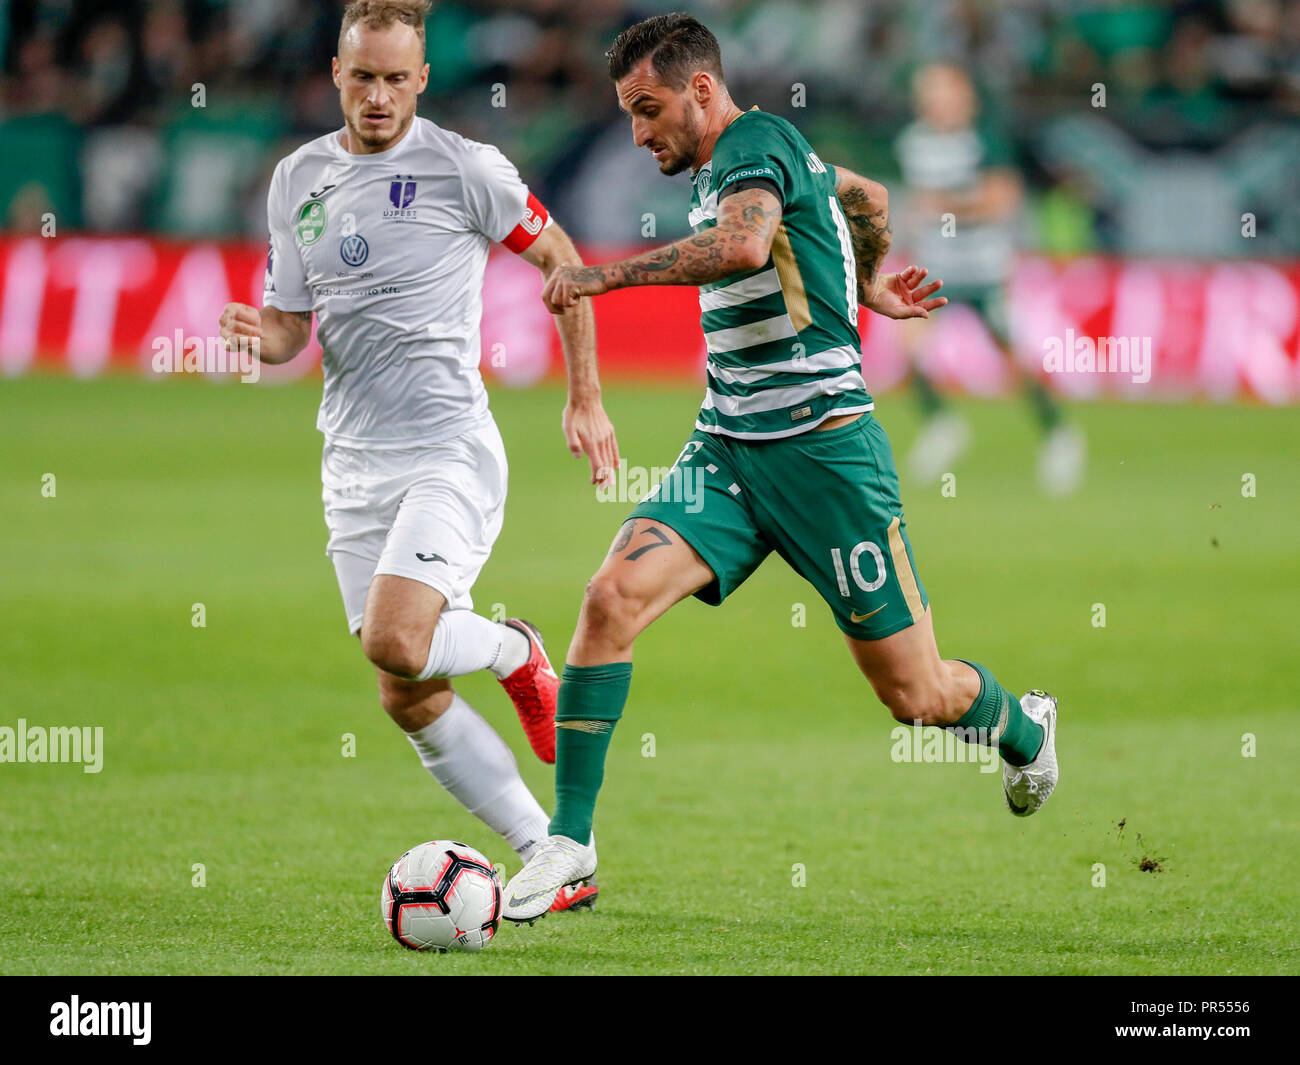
{"points": [[430, 513]]}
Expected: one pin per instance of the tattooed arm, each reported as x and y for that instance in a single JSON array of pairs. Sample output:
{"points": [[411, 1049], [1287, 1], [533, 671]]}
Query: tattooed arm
{"points": [[742, 240], [866, 208]]}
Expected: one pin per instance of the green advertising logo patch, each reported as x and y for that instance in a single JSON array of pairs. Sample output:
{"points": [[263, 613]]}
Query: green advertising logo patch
{"points": [[311, 221]]}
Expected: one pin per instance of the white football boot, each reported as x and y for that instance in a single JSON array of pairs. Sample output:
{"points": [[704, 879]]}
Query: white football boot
{"points": [[941, 441], [1062, 460], [1027, 787], [559, 862]]}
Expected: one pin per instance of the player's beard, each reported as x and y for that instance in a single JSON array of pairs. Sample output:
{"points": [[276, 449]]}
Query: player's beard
{"points": [[690, 149], [380, 141]]}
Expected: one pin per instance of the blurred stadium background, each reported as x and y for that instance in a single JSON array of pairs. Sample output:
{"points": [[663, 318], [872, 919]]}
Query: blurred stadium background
{"points": [[139, 139], [1172, 211]]}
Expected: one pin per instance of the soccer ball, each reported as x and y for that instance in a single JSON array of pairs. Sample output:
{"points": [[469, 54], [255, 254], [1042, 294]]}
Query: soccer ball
{"points": [[442, 896]]}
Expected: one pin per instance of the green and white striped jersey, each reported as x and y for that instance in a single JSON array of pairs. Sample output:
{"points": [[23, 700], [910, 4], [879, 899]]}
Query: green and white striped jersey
{"points": [[932, 160], [783, 343]]}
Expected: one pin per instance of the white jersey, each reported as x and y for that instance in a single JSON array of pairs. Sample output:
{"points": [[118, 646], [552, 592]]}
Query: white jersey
{"points": [[389, 251]]}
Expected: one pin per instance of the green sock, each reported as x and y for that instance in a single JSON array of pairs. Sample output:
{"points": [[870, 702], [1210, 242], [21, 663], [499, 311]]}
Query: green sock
{"points": [[590, 704], [996, 709], [929, 400], [1046, 409]]}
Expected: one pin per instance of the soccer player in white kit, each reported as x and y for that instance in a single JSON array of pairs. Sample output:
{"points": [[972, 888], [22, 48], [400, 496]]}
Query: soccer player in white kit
{"points": [[382, 230]]}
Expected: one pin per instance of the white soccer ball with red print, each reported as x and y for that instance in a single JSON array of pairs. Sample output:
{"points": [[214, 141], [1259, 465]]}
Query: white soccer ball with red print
{"points": [[442, 896]]}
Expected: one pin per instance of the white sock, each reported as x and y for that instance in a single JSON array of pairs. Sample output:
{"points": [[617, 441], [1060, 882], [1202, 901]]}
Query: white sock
{"points": [[516, 650], [467, 757], [463, 642]]}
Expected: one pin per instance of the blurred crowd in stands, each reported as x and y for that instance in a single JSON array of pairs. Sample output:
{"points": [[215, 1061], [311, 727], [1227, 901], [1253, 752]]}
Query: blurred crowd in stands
{"points": [[169, 115]]}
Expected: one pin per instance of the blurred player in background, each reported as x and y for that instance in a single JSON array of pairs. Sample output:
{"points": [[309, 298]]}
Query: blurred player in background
{"points": [[382, 230], [952, 166]]}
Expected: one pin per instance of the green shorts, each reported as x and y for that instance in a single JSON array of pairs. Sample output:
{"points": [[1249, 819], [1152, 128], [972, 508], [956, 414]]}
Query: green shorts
{"points": [[826, 502]]}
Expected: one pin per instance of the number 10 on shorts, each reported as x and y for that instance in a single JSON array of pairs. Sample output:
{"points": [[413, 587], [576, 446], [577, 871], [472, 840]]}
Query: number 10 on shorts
{"points": [[855, 556]]}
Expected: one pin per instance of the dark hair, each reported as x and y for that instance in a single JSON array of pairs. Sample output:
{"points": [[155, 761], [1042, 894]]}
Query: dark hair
{"points": [[380, 14], [678, 46]]}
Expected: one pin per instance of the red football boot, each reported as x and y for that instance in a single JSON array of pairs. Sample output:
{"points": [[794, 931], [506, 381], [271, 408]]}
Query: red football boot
{"points": [[580, 896], [534, 688]]}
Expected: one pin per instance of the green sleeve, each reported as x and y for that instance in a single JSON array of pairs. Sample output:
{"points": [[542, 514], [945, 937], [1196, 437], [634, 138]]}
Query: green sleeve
{"points": [[757, 154]]}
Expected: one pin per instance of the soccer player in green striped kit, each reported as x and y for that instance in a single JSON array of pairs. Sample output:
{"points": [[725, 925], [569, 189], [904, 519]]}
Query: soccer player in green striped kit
{"points": [[785, 248]]}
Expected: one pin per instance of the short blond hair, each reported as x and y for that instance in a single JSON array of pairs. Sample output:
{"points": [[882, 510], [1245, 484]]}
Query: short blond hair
{"points": [[380, 14]]}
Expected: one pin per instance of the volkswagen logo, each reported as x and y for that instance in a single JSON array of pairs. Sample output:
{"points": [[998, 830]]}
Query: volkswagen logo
{"points": [[354, 250]]}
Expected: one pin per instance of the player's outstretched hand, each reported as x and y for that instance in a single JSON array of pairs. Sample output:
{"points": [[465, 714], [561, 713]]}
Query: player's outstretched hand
{"points": [[588, 431], [904, 295], [568, 284], [240, 320]]}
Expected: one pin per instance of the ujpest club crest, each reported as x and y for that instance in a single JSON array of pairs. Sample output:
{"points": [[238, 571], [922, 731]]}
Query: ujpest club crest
{"points": [[401, 194]]}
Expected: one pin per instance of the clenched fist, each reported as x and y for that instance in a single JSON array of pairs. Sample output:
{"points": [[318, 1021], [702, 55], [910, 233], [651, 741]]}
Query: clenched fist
{"points": [[240, 320], [568, 284]]}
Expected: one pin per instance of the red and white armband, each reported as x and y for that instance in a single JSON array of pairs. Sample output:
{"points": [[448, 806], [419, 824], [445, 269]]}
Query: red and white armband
{"points": [[530, 226]]}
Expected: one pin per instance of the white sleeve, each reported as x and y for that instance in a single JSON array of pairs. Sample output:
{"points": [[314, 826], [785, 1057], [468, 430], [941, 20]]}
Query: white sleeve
{"points": [[495, 195], [285, 287]]}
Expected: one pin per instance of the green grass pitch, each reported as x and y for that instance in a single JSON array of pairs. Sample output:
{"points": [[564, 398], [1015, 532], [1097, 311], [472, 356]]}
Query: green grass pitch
{"points": [[223, 744]]}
